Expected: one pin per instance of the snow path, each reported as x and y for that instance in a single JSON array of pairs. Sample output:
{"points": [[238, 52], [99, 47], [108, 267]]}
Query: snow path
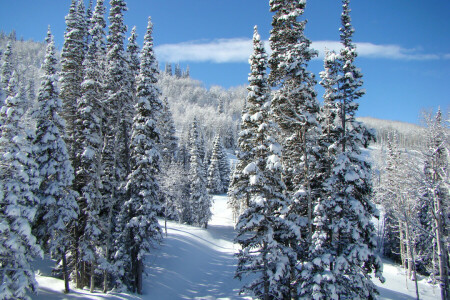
{"points": [[196, 263]]}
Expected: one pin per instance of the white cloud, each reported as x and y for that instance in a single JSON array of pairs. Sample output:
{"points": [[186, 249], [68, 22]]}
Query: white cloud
{"points": [[239, 50], [217, 51]]}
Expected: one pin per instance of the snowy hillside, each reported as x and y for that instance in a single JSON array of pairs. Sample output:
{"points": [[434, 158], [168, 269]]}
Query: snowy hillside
{"points": [[195, 263]]}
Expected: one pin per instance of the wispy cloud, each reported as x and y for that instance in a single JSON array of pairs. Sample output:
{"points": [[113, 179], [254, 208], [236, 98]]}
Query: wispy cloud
{"points": [[217, 51], [239, 50]]}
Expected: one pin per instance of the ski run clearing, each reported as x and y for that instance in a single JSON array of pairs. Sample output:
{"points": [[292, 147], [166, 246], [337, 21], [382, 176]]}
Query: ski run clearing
{"points": [[196, 263]]}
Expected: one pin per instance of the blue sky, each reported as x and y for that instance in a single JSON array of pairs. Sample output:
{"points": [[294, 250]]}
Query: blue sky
{"points": [[403, 45]]}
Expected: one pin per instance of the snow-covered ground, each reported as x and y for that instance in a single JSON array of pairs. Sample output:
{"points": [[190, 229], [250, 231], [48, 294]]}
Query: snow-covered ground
{"points": [[195, 263]]}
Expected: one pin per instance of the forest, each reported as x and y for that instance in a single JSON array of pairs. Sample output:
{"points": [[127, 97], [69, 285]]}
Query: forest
{"points": [[101, 146]]}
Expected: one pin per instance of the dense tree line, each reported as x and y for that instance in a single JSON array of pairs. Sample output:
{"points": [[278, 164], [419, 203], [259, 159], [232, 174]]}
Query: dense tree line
{"points": [[84, 179], [104, 143]]}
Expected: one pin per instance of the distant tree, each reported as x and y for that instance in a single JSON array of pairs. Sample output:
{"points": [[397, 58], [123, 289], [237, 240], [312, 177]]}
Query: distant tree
{"points": [[19, 179], [168, 140], [200, 201], [178, 71], [186, 72], [224, 167], [141, 230], [261, 226], [58, 209], [6, 71], [214, 179], [168, 69]]}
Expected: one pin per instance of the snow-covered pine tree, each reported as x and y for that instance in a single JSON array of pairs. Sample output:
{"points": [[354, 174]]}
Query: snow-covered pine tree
{"points": [[140, 228], [261, 227], [224, 166], [296, 111], [133, 57], [344, 242], [6, 72], [58, 209], [214, 179], [200, 200], [19, 179], [115, 157], [71, 75], [90, 139], [178, 73], [168, 140], [239, 187], [168, 69]]}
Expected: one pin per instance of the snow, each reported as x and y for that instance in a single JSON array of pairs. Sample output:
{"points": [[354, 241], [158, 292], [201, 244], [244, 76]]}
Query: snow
{"points": [[197, 263]]}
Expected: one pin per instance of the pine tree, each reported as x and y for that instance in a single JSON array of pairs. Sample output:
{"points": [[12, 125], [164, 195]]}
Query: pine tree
{"points": [[239, 187], [6, 71], [133, 57], [58, 207], [261, 227], [344, 240], [168, 141], [140, 226], [19, 179], [200, 201], [90, 139], [118, 99], [71, 75], [296, 111], [224, 166], [168, 69], [178, 72], [214, 179]]}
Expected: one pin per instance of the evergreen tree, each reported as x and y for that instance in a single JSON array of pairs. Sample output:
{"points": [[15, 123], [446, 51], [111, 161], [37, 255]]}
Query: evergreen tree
{"points": [[90, 139], [178, 72], [296, 111], [19, 179], [133, 57], [261, 227], [239, 187], [168, 140], [71, 75], [58, 207], [138, 216], [224, 166], [344, 242], [200, 201], [6, 71], [168, 69], [214, 179], [118, 99]]}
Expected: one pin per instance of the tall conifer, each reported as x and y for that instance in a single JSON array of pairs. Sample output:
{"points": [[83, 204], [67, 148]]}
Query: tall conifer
{"points": [[58, 208], [260, 227]]}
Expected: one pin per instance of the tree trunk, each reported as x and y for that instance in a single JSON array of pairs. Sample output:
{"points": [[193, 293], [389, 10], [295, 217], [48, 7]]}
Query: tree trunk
{"points": [[412, 264], [92, 283], [265, 273], [139, 271], [442, 253], [64, 270]]}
